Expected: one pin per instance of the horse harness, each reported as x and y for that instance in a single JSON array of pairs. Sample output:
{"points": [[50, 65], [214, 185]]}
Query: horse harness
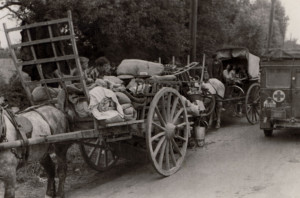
{"points": [[23, 127]]}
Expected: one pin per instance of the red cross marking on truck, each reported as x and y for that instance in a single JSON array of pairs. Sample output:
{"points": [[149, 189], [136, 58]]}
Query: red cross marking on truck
{"points": [[279, 96]]}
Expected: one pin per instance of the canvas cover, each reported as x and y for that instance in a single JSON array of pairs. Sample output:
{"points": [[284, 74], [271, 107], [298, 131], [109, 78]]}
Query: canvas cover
{"points": [[138, 67], [241, 53], [281, 54]]}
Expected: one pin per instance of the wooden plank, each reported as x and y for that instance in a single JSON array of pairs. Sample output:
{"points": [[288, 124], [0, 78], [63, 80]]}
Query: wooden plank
{"points": [[75, 51], [124, 123], [42, 80], [52, 80], [39, 66], [41, 41], [63, 20], [60, 74], [47, 60], [15, 60], [78, 135]]}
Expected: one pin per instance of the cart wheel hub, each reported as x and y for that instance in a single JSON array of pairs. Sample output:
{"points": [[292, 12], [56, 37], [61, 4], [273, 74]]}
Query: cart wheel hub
{"points": [[170, 130]]}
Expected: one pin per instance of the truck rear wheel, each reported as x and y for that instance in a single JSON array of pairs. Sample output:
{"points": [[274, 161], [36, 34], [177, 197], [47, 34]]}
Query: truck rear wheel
{"points": [[268, 132]]}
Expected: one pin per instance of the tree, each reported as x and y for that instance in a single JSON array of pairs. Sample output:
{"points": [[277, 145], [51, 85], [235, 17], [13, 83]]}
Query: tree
{"points": [[147, 30]]}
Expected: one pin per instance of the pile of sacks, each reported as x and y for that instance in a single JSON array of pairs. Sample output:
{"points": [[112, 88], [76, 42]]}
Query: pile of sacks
{"points": [[107, 102], [110, 106]]}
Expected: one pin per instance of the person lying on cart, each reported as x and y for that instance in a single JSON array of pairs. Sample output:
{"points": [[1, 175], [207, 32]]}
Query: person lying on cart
{"points": [[217, 88]]}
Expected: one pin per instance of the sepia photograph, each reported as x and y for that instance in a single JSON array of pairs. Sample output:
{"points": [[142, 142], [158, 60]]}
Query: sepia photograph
{"points": [[149, 98]]}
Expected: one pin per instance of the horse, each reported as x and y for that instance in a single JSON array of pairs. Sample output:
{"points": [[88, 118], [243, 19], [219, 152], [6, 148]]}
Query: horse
{"points": [[45, 120]]}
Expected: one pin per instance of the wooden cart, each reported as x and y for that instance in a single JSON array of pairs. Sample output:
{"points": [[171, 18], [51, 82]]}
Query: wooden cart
{"points": [[246, 92], [162, 128]]}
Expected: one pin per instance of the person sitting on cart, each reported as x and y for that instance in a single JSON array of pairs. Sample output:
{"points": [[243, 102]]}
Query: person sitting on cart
{"points": [[227, 74], [102, 67], [241, 75], [217, 88]]}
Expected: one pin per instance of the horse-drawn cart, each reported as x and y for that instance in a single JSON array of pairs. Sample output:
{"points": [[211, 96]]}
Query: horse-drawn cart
{"points": [[163, 124], [244, 90]]}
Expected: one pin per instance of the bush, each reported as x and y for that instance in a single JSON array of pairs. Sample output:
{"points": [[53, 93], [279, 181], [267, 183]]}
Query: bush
{"points": [[14, 92]]}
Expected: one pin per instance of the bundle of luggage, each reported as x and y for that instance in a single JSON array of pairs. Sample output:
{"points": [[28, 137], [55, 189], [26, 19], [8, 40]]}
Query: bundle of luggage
{"points": [[108, 101]]}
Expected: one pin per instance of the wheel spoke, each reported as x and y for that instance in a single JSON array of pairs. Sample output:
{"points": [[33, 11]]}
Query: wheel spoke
{"points": [[106, 158], [161, 141], [172, 155], [93, 149], [177, 115], [158, 126], [180, 138], [167, 156], [169, 107], [162, 153], [256, 111], [98, 157], [161, 119], [157, 136], [174, 107], [248, 109], [176, 146], [179, 126], [164, 113]]}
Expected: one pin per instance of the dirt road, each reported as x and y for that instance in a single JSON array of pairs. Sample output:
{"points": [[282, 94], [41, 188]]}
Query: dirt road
{"points": [[237, 161]]}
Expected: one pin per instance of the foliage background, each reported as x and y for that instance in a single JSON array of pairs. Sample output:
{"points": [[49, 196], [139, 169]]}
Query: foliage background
{"points": [[144, 29], [147, 30]]}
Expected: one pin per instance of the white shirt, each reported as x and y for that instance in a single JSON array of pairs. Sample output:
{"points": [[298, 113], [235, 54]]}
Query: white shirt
{"points": [[215, 86]]}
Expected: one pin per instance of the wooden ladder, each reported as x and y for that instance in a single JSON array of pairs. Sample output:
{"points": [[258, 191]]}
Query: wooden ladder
{"points": [[53, 40]]}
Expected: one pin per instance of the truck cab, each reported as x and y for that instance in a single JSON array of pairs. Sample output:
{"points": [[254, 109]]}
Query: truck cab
{"points": [[280, 90]]}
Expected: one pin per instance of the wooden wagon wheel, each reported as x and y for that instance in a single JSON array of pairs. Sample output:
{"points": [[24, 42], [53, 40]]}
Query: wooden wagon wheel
{"points": [[235, 94], [253, 103], [209, 101], [167, 131], [98, 154]]}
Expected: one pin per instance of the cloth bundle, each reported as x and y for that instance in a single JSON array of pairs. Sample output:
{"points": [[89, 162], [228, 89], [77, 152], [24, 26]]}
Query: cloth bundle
{"points": [[194, 108], [137, 67]]}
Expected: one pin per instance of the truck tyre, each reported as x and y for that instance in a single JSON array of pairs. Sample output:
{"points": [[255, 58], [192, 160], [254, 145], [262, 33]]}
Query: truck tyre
{"points": [[268, 132]]}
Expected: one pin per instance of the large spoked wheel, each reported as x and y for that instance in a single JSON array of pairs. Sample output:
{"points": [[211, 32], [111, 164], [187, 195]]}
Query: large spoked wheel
{"points": [[253, 103], [98, 154], [209, 101], [167, 131], [237, 95]]}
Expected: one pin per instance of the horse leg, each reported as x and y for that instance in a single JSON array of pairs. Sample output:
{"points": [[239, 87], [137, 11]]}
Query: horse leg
{"points": [[211, 119], [61, 153], [219, 110], [49, 167], [10, 183]]}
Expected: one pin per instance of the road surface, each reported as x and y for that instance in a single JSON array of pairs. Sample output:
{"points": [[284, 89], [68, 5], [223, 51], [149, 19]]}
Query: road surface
{"points": [[236, 162]]}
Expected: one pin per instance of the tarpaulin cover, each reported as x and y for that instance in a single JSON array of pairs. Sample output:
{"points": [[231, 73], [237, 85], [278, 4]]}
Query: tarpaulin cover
{"points": [[137, 67], [275, 54], [230, 53], [241, 53], [253, 66]]}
